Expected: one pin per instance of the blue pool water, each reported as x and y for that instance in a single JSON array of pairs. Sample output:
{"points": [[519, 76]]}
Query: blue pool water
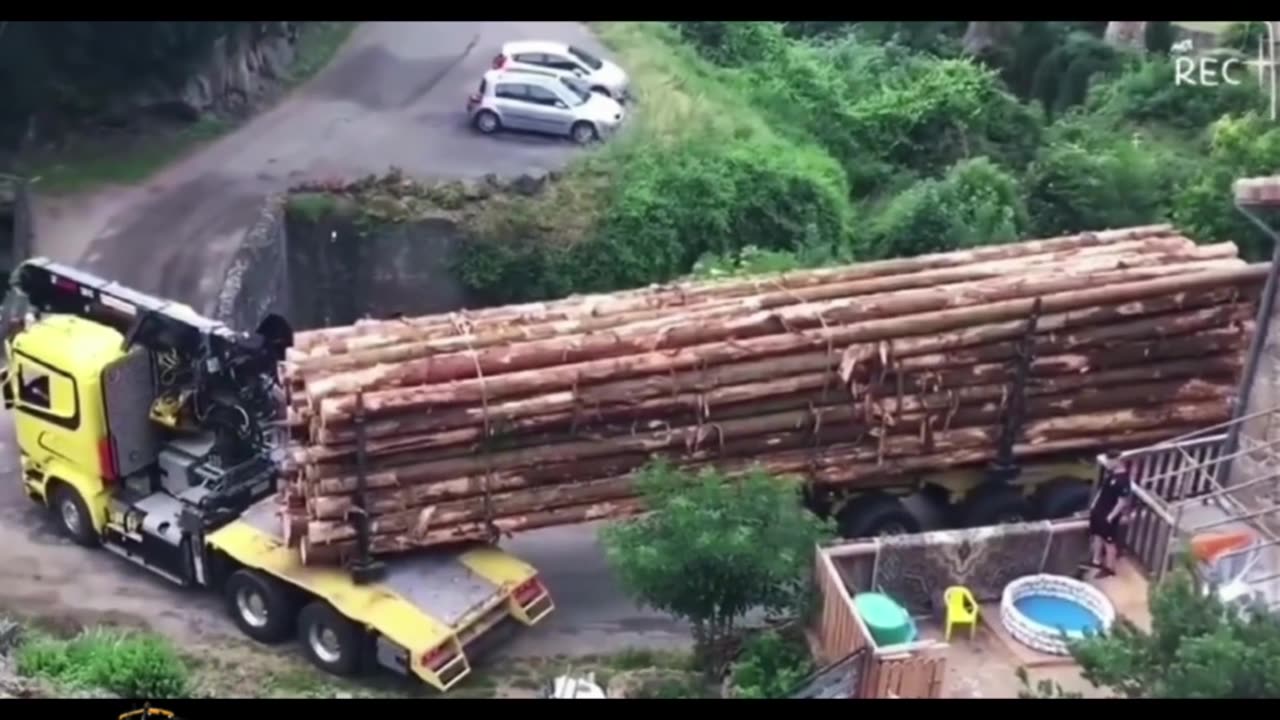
{"points": [[1058, 613]]}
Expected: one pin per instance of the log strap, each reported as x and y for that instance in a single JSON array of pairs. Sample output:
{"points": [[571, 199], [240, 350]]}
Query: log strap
{"points": [[815, 426], [462, 326]]}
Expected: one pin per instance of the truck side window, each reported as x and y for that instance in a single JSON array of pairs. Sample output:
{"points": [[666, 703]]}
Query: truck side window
{"points": [[47, 390], [33, 387]]}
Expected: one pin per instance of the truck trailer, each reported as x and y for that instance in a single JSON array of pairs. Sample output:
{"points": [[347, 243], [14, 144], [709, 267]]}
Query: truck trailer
{"points": [[152, 432]]}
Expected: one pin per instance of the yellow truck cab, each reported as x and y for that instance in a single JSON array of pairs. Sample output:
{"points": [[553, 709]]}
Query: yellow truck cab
{"points": [[150, 431]]}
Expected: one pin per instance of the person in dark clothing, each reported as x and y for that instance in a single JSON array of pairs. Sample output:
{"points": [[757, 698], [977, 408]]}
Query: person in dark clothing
{"points": [[1109, 506]]}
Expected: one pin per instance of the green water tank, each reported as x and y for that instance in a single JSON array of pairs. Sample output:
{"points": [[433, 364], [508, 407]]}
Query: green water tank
{"points": [[888, 622]]}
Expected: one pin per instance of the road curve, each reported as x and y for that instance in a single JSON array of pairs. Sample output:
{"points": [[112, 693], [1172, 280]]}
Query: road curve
{"points": [[393, 96]]}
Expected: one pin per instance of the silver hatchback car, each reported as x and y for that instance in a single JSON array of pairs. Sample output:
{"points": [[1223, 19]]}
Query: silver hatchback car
{"points": [[544, 103]]}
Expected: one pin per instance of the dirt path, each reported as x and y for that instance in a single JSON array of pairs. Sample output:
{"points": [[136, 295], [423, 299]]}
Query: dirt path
{"points": [[393, 96]]}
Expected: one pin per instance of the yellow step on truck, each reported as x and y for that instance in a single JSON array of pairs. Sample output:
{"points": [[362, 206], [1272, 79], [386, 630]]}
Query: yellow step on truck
{"points": [[152, 432]]}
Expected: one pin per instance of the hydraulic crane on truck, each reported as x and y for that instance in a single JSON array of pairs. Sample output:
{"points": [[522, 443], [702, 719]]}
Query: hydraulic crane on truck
{"points": [[151, 431]]}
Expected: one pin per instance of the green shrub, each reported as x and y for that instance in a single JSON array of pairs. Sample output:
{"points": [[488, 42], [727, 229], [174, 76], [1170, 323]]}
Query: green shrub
{"points": [[1062, 78], [1243, 36], [672, 207], [734, 42], [925, 122], [938, 37], [131, 665], [668, 208], [977, 203], [1147, 93], [1089, 178], [770, 666], [1239, 147], [1159, 36], [752, 260]]}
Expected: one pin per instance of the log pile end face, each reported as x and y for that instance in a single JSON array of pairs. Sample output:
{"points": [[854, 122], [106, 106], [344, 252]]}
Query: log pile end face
{"points": [[511, 418]]}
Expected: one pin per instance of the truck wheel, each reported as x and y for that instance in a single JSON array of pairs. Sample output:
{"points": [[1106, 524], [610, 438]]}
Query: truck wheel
{"points": [[331, 642], [1062, 497], [875, 514], [260, 606], [994, 504], [73, 515]]}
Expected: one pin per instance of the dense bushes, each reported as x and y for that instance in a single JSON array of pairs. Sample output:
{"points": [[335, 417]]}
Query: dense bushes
{"points": [[1239, 147], [1148, 94], [977, 203], [132, 665], [763, 146], [668, 207], [1090, 177]]}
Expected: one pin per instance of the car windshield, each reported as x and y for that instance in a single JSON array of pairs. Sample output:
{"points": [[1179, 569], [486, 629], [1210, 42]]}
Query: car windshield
{"points": [[577, 90], [587, 58]]}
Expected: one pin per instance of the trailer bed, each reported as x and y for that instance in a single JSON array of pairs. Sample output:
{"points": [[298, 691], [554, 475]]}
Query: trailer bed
{"points": [[440, 597]]}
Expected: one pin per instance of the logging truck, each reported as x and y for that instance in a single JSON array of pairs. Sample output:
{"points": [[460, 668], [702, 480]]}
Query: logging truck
{"points": [[147, 430], [984, 378]]}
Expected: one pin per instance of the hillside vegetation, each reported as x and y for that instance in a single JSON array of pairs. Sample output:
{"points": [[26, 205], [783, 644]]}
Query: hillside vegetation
{"points": [[763, 146]]}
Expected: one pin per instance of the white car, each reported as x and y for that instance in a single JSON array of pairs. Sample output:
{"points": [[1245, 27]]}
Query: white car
{"points": [[543, 102], [600, 75]]}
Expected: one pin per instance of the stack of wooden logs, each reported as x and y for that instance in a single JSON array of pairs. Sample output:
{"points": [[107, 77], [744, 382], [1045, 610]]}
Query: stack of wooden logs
{"points": [[519, 417]]}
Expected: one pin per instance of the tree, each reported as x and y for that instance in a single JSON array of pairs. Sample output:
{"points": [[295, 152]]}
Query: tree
{"points": [[713, 549], [1197, 648]]}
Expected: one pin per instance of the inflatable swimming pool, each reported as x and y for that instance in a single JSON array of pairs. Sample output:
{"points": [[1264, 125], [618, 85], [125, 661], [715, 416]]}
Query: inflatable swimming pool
{"points": [[1038, 609]]}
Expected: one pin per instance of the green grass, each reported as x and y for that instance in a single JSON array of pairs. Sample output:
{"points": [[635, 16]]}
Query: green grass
{"points": [[318, 42], [131, 160], [96, 163], [678, 95], [129, 664]]}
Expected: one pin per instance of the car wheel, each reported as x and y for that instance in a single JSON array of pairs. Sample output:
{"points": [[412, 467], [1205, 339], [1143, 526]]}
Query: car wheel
{"points": [[584, 132], [330, 641], [260, 606], [487, 122], [73, 516]]}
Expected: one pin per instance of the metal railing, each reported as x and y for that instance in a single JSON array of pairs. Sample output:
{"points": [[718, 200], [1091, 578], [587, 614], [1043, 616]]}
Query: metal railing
{"points": [[1171, 477]]}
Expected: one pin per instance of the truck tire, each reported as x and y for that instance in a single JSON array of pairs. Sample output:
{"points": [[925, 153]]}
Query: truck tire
{"points": [[261, 606], [1062, 497], [73, 515], [330, 641], [994, 504], [875, 514]]}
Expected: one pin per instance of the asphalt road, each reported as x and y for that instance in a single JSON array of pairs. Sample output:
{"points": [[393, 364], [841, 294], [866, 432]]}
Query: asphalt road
{"points": [[393, 96]]}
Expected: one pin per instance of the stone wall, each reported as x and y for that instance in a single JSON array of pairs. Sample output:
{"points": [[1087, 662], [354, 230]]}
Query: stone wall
{"points": [[257, 281], [237, 71], [354, 270], [336, 268]]}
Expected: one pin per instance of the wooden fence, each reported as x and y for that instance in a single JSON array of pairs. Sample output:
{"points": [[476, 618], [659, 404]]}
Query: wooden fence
{"points": [[917, 675], [913, 670]]}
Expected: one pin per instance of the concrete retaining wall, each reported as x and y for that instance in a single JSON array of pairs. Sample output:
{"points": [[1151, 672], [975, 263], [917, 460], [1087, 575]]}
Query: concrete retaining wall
{"points": [[257, 281], [334, 269]]}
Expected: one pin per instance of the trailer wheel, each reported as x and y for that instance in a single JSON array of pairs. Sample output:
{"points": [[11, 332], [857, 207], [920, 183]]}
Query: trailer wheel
{"points": [[73, 515], [875, 514], [994, 504], [1062, 497], [260, 605], [330, 641]]}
